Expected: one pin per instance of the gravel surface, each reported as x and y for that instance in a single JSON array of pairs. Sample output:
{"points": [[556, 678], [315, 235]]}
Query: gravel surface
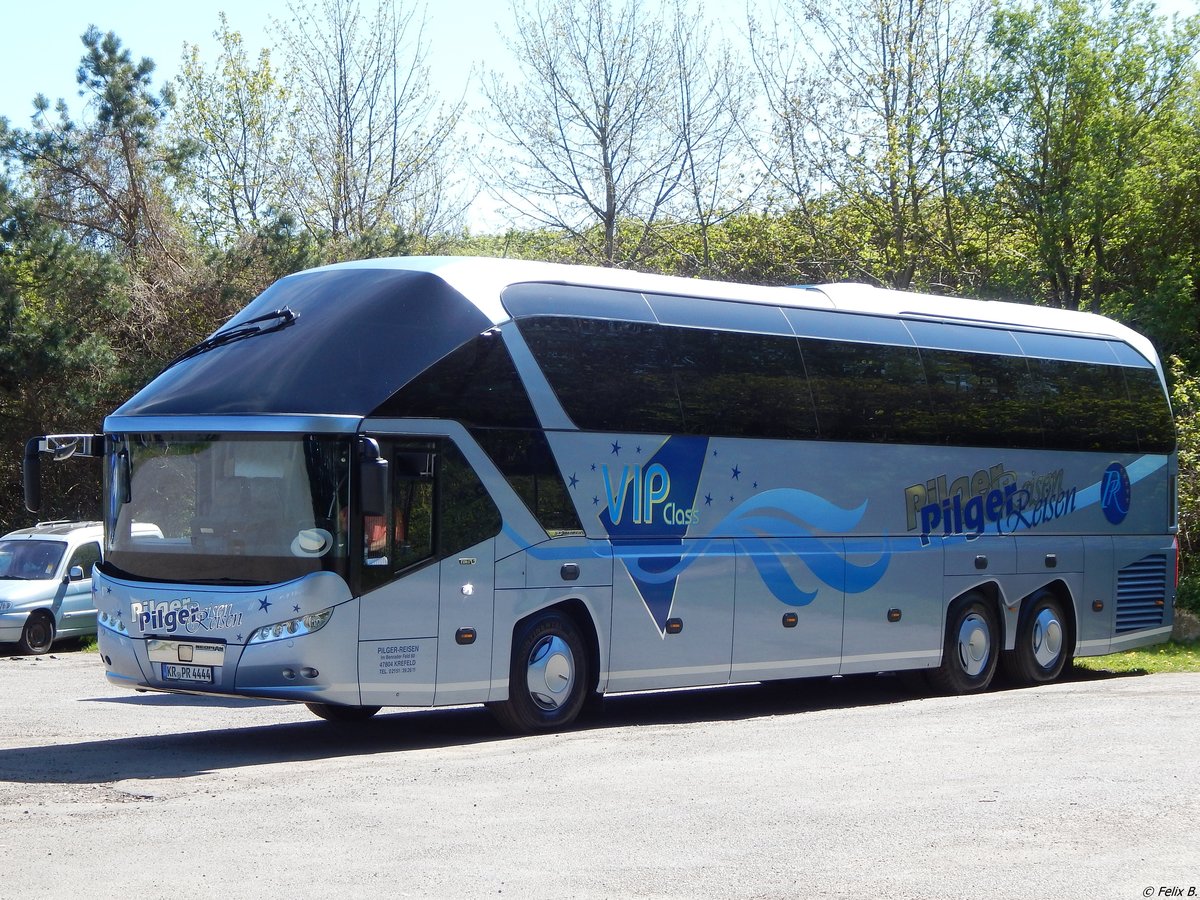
{"points": [[829, 788]]}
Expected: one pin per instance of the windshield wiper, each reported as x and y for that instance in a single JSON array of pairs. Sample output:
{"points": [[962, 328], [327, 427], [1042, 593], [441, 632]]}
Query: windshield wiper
{"points": [[279, 318]]}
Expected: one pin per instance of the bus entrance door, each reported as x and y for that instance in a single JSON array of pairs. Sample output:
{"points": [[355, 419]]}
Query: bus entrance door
{"points": [[464, 663]]}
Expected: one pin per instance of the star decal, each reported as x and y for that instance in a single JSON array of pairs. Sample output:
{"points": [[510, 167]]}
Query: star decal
{"points": [[296, 608], [708, 499], [616, 448], [593, 467], [264, 605], [737, 473], [595, 501], [239, 638], [574, 481]]}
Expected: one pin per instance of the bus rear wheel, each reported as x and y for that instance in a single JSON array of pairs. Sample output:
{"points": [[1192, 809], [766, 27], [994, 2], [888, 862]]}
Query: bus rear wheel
{"points": [[331, 712], [971, 649], [548, 679], [1041, 651]]}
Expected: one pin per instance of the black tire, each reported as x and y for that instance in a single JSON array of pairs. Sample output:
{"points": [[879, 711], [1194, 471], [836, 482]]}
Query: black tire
{"points": [[1042, 648], [549, 678], [334, 713], [37, 635], [971, 649]]}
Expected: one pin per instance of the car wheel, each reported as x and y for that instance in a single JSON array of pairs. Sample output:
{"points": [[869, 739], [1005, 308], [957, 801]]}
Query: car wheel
{"points": [[37, 635]]}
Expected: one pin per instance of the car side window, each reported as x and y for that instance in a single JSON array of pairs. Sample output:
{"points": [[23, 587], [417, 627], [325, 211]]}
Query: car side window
{"points": [[86, 557]]}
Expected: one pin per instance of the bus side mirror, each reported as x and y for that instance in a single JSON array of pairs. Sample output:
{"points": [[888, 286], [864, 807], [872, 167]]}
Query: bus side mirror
{"points": [[372, 480], [32, 472]]}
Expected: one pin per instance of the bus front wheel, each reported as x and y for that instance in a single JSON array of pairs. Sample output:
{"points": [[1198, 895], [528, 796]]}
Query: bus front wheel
{"points": [[548, 679], [331, 712], [1041, 650], [971, 649]]}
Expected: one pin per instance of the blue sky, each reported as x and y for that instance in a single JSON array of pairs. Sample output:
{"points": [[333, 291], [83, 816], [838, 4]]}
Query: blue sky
{"points": [[40, 45]]}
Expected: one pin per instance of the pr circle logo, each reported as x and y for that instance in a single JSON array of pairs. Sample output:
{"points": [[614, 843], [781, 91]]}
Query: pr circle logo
{"points": [[1114, 493]]}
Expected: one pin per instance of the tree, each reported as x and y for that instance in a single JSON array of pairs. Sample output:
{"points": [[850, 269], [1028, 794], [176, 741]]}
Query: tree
{"points": [[591, 135], [718, 177], [368, 135], [104, 180], [235, 114], [58, 372], [866, 100], [1076, 96]]}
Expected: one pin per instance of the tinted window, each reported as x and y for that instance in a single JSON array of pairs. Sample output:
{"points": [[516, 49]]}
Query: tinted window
{"points": [[1155, 425], [525, 460], [609, 376], [1084, 406], [982, 401], [637, 376], [748, 385], [477, 384], [467, 514], [868, 392]]}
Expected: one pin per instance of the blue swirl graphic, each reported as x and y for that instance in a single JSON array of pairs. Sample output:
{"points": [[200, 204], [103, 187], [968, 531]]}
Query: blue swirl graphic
{"points": [[765, 522]]}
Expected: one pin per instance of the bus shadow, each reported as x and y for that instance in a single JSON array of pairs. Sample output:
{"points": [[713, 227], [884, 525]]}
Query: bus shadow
{"points": [[195, 753]]}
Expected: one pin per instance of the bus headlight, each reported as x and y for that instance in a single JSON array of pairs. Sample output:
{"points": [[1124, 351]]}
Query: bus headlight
{"points": [[112, 621], [290, 628]]}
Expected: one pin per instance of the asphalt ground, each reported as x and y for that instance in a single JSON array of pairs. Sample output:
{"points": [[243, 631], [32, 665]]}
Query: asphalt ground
{"points": [[828, 788]]}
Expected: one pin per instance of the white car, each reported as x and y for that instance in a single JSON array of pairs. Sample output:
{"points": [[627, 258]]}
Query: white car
{"points": [[46, 583]]}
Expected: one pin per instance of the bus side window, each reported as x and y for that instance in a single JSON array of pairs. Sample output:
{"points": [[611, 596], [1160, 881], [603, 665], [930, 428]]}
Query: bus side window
{"points": [[412, 517], [466, 513]]}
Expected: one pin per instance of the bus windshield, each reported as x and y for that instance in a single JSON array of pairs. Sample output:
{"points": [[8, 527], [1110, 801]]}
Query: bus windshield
{"points": [[227, 509]]}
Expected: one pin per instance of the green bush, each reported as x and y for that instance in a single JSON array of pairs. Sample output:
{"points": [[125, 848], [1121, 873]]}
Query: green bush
{"points": [[1188, 595]]}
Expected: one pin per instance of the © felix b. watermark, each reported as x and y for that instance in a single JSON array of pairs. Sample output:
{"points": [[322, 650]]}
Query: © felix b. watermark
{"points": [[1171, 891]]}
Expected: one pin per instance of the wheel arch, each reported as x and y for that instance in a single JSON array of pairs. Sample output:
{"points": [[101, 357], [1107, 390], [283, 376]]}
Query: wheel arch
{"points": [[993, 595], [1060, 589], [579, 613]]}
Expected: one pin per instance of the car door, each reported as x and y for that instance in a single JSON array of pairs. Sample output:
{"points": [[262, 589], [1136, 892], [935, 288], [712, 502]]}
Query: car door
{"points": [[77, 614]]}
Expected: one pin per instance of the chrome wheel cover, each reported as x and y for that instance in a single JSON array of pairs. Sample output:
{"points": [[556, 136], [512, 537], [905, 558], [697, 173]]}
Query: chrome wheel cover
{"points": [[1047, 636], [974, 644], [551, 672]]}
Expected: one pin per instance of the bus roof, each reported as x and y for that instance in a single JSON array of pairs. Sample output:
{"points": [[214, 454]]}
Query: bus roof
{"points": [[340, 340], [483, 279]]}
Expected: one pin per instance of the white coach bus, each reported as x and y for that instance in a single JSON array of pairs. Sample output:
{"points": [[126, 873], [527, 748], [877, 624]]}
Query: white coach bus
{"points": [[442, 481]]}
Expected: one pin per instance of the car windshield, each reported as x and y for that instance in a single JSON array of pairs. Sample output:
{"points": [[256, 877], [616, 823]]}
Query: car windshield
{"points": [[226, 509], [30, 560]]}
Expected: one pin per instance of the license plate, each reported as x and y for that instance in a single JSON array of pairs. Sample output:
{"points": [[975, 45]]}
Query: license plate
{"points": [[172, 672]]}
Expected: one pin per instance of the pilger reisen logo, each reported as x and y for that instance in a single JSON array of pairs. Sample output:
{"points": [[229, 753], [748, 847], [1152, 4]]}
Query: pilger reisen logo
{"points": [[172, 616]]}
